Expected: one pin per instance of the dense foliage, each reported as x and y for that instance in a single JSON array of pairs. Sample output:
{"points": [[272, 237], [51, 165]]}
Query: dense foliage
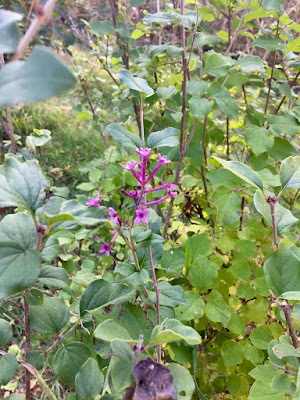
{"points": [[166, 263]]}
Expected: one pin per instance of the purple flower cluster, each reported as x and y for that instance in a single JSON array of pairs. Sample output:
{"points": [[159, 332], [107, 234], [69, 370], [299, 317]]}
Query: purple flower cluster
{"points": [[139, 171]]}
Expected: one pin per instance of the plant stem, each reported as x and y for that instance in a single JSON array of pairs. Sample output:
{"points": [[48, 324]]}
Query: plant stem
{"points": [[287, 313], [270, 83], [27, 346], [60, 339], [242, 213], [182, 147], [272, 201], [238, 29], [157, 291], [40, 18], [286, 370], [203, 140], [227, 138]]}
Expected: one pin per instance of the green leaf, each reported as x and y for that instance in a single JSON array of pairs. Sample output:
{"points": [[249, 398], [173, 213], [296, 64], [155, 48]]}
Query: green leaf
{"points": [[9, 32], [101, 293], [38, 138], [275, 5], [196, 88], [50, 317], [290, 173], [203, 273], [84, 215], [217, 65], [263, 391], [8, 367], [58, 218], [121, 375], [232, 353], [122, 350], [166, 92], [281, 383], [19, 260], [166, 138], [160, 17], [130, 317], [5, 332], [21, 184], [242, 171], [251, 353], [283, 217], [197, 245], [282, 270], [228, 205], [290, 295], [102, 27], [281, 149], [200, 108], [173, 330], [217, 310], [89, 380], [183, 382], [110, 330], [260, 337], [34, 297], [268, 43], [170, 295], [284, 124], [236, 324], [258, 139], [54, 277], [250, 64], [194, 311], [138, 84], [39, 77], [296, 395], [227, 104], [123, 136], [68, 360], [36, 358], [285, 350]]}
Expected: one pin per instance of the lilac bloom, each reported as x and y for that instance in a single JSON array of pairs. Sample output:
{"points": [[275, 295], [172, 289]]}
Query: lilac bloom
{"points": [[105, 249], [130, 166], [144, 153], [114, 217], [141, 216], [94, 202], [163, 159]]}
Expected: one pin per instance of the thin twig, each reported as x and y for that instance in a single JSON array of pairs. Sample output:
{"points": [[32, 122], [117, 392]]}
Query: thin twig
{"points": [[227, 138], [238, 29], [272, 201], [286, 370], [41, 18], [270, 83], [61, 338]]}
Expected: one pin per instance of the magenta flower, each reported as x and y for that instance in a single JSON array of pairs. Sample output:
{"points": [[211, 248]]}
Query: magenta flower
{"points": [[114, 217], [105, 249], [144, 153], [130, 166], [94, 202], [163, 159], [141, 215]]}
